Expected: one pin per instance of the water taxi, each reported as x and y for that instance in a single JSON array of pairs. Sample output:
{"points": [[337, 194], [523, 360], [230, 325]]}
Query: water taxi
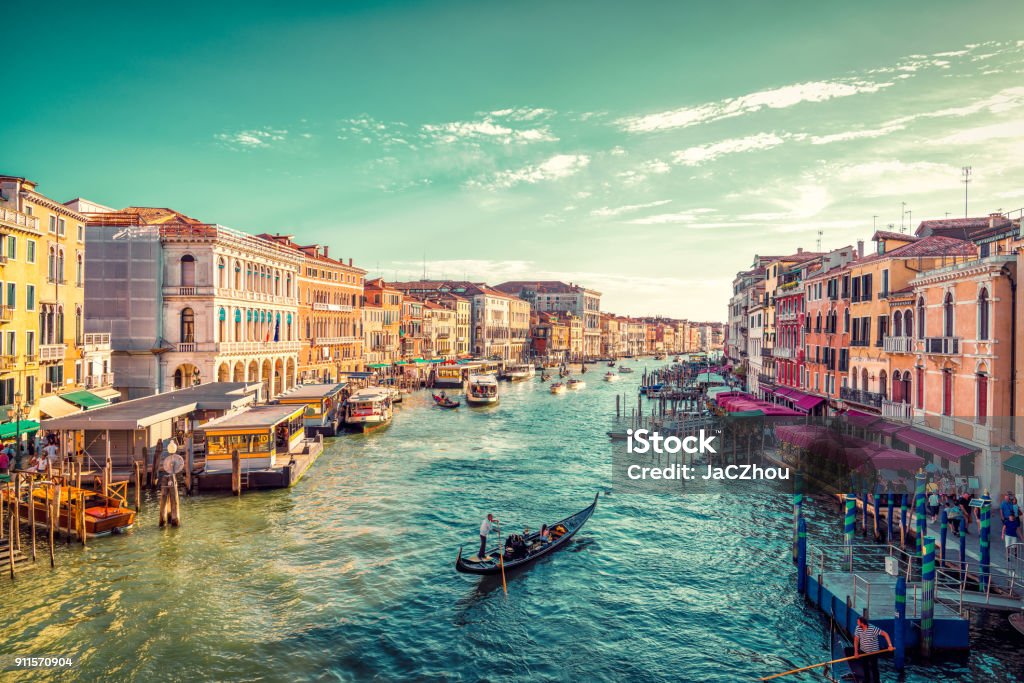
{"points": [[368, 409], [611, 377], [452, 376], [481, 390], [557, 388], [322, 403], [576, 384], [625, 369], [105, 514], [520, 372]]}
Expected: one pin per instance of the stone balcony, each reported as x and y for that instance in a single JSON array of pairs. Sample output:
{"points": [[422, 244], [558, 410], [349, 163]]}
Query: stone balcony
{"points": [[898, 344], [337, 308], [17, 219], [238, 348], [942, 346], [896, 410], [96, 342], [52, 353], [780, 352], [105, 379], [327, 341], [6, 314]]}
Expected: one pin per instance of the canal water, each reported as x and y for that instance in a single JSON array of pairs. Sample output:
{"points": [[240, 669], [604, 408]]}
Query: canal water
{"points": [[349, 575]]}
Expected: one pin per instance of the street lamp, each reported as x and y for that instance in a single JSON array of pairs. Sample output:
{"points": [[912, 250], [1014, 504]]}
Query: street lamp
{"points": [[15, 412]]}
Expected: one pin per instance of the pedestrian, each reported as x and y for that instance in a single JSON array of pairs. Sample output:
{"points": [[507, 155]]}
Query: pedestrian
{"points": [[1011, 525], [865, 641], [933, 505], [1006, 506], [953, 516], [485, 530], [5, 461]]}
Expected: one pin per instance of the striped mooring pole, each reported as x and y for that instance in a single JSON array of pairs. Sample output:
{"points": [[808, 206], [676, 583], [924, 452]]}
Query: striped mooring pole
{"points": [[903, 519], [888, 518], [983, 545], [801, 563], [864, 512], [900, 625], [798, 502], [849, 524], [963, 550], [927, 595], [919, 512], [943, 528]]}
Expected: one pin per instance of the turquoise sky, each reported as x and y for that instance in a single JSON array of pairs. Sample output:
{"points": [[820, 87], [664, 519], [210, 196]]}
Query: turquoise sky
{"points": [[647, 150]]}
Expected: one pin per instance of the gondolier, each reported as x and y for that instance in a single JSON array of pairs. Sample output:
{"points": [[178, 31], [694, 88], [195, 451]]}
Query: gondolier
{"points": [[865, 641], [485, 531]]}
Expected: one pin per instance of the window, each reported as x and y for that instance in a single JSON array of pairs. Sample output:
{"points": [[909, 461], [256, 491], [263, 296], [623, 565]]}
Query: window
{"points": [[920, 388], [947, 315], [947, 392], [982, 382], [30, 251], [79, 270], [12, 247], [897, 325], [188, 326], [188, 271], [920, 318], [81, 233], [61, 227], [983, 313], [53, 224], [30, 297], [908, 323], [30, 389]]}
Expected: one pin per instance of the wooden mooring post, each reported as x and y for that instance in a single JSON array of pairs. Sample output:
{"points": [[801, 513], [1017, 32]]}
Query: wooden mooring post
{"points": [[236, 473], [137, 472], [169, 501], [32, 515], [53, 510]]}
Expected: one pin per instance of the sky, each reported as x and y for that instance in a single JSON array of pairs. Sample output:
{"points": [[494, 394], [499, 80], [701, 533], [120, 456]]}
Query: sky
{"points": [[647, 150]]}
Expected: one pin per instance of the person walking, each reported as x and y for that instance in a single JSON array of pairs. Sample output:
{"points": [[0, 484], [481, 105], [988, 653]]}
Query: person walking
{"points": [[865, 641], [485, 530], [1011, 525]]}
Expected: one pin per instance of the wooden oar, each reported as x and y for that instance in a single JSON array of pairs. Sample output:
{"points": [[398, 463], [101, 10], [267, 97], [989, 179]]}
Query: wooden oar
{"points": [[832, 661], [501, 561]]}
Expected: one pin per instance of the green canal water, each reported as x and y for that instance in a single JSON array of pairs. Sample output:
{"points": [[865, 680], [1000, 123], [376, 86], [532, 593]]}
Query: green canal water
{"points": [[349, 575]]}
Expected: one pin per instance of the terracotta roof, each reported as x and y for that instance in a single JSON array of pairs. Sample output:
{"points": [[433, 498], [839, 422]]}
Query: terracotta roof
{"points": [[961, 228], [514, 287], [889, 235], [925, 247], [148, 215]]}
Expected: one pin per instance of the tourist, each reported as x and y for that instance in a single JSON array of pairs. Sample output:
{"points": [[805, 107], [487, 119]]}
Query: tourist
{"points": [[865, 641], [953, 517], [485, 530], [544, 536], [1006, 506], [933, 505], [50, 450], [5, 461], [1011, 525]]}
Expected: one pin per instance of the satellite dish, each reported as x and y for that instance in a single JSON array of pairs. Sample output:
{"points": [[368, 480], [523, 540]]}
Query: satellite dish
{"points": [[173, 464], [172, 447]]}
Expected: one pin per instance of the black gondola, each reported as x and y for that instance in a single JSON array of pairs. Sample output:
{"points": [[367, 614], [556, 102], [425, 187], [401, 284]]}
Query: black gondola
{"points": [[443, 401], [572, 524]]}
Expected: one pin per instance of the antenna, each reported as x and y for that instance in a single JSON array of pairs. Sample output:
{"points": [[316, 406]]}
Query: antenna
{"points": [[910, 219], [874, 222], [903, 214], [424, 265], [820, 233], [966, 170]]}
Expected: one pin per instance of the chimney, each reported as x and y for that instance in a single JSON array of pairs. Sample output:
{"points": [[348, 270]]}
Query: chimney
{"points": [[860, 248], [799, 250], [350, 260], [994, 218], [326, 249]]}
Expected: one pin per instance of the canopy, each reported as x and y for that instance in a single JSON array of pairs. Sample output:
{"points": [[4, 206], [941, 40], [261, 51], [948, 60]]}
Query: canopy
{"points": [[9, 430], [379, 365], [86, 399], [808, 402], [1015, 464], [55, 406], [889, 458], [107, 392], [859, 419], [941, 447]]}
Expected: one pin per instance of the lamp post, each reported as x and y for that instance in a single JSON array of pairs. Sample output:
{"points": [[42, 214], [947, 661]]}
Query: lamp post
{"points": [[15, 412]]}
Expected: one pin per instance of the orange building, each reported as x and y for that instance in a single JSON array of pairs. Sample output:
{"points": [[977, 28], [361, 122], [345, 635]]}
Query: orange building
{"points": [[382, 318]]}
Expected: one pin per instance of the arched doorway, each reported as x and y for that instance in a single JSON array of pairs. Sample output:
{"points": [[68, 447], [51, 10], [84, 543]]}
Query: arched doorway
{"points": [[187, 375], [223, 373]]}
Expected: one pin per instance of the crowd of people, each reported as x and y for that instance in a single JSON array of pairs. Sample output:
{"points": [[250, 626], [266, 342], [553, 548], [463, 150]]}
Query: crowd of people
{"points": [[41, 454]]}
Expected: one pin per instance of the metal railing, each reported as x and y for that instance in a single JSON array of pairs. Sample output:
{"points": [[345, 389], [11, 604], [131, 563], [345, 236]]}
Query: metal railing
{"points": [[868, 398], [898, 344], [943, 346]]}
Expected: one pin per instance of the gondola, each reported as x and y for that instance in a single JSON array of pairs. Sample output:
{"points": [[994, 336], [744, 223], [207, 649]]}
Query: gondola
{"points": [[572, 524], [850, 671], [445, 402]]}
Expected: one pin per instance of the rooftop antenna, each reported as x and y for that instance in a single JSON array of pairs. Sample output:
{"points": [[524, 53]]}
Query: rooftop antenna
{"points": [[874, 223], [820, 233], [910, 218], [966, 170], [903, 214]]}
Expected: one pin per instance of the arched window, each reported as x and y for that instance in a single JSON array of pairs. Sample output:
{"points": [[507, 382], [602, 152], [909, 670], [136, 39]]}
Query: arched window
{"points": [[188, 271], [883, 383], [947, 391], [51, 265], [983, 313], [982, 383], [854, 376], [78, 325], [947, 315], [222, 324], [222, 273], [846, 320], [60, 265], [864, 379], [79, 270], [920, 318], [908, 323], [188, 326], [179, 379], [897, 327], [238, 275]]}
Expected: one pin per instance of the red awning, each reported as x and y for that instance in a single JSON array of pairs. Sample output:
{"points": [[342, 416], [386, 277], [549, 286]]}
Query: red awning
{"points": [[943, 448], [808, 402], [887, 428], [783, 392], [891, 459], [859, 419]]}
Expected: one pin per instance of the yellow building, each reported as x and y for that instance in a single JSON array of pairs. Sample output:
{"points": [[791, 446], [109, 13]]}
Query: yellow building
{"points": [[42, 273]]}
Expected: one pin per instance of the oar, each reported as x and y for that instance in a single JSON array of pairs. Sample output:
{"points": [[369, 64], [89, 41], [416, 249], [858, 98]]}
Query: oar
{"points": [[833, 661], [501, 561]]}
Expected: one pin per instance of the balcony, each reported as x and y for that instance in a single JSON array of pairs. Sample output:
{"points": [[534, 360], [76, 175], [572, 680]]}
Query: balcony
{"points": [[185, 347], [96, 341], [896, 409], [52, 353], [169, 290], [18, 219], [788, 316], [766, 353], [253, 347], [860, 342], [7, 362], [6, 314], [942, 346], [337, 308], [56, 280], [326, 341], [779, 352], [96, 381], [763, 378], [898, 344], [865, 398]]}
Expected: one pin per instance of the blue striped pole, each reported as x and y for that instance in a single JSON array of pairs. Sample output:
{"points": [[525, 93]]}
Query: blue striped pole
{"points": [[864, 512], [983, 545], [798, 502], [927, 595], [922, 520], [903, 519], [801, 563], [898, 637], [892, 499], [849, 524], [944, 522], [963, 550]]}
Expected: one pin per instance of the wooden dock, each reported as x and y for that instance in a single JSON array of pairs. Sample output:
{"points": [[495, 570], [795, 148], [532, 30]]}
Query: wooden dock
{"points": [[286, 471]]}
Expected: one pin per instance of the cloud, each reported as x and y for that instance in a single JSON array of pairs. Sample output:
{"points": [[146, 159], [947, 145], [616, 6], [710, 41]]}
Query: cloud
{"points": [[254, 138], [695, 156], [972, 136], [896, 178], [856, 134], [555, 168], [485, 129], [777, 98], [690, 216], [606, 211]]}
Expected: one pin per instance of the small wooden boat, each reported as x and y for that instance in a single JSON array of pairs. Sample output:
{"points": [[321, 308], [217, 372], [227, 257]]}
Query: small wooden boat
{"points": [[492, 564], [611, 364], [481, 390], [618, 435], [544, 377], [576, 384], [625, 369], [611, 377], [104, 514], [442, 401], [557, 388], [563, 372]]}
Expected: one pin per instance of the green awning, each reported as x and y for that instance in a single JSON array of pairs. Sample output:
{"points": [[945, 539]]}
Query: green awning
{"points": [[1015, 464], [379, 365], [86, 399], [8, 430]]}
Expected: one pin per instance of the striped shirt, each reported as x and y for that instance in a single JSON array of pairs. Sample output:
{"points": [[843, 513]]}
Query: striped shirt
{"points": [[868, 638]]}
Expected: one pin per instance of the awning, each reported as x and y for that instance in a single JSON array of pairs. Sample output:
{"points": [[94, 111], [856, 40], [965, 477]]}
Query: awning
{"points": [[933, 444], [891, 459], [379, 365], [809, 402], [107, 392], [783, 392], [887, 428], [86, 399], [859, 419], [8, 430], [55, 406], [1015, 464]]}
